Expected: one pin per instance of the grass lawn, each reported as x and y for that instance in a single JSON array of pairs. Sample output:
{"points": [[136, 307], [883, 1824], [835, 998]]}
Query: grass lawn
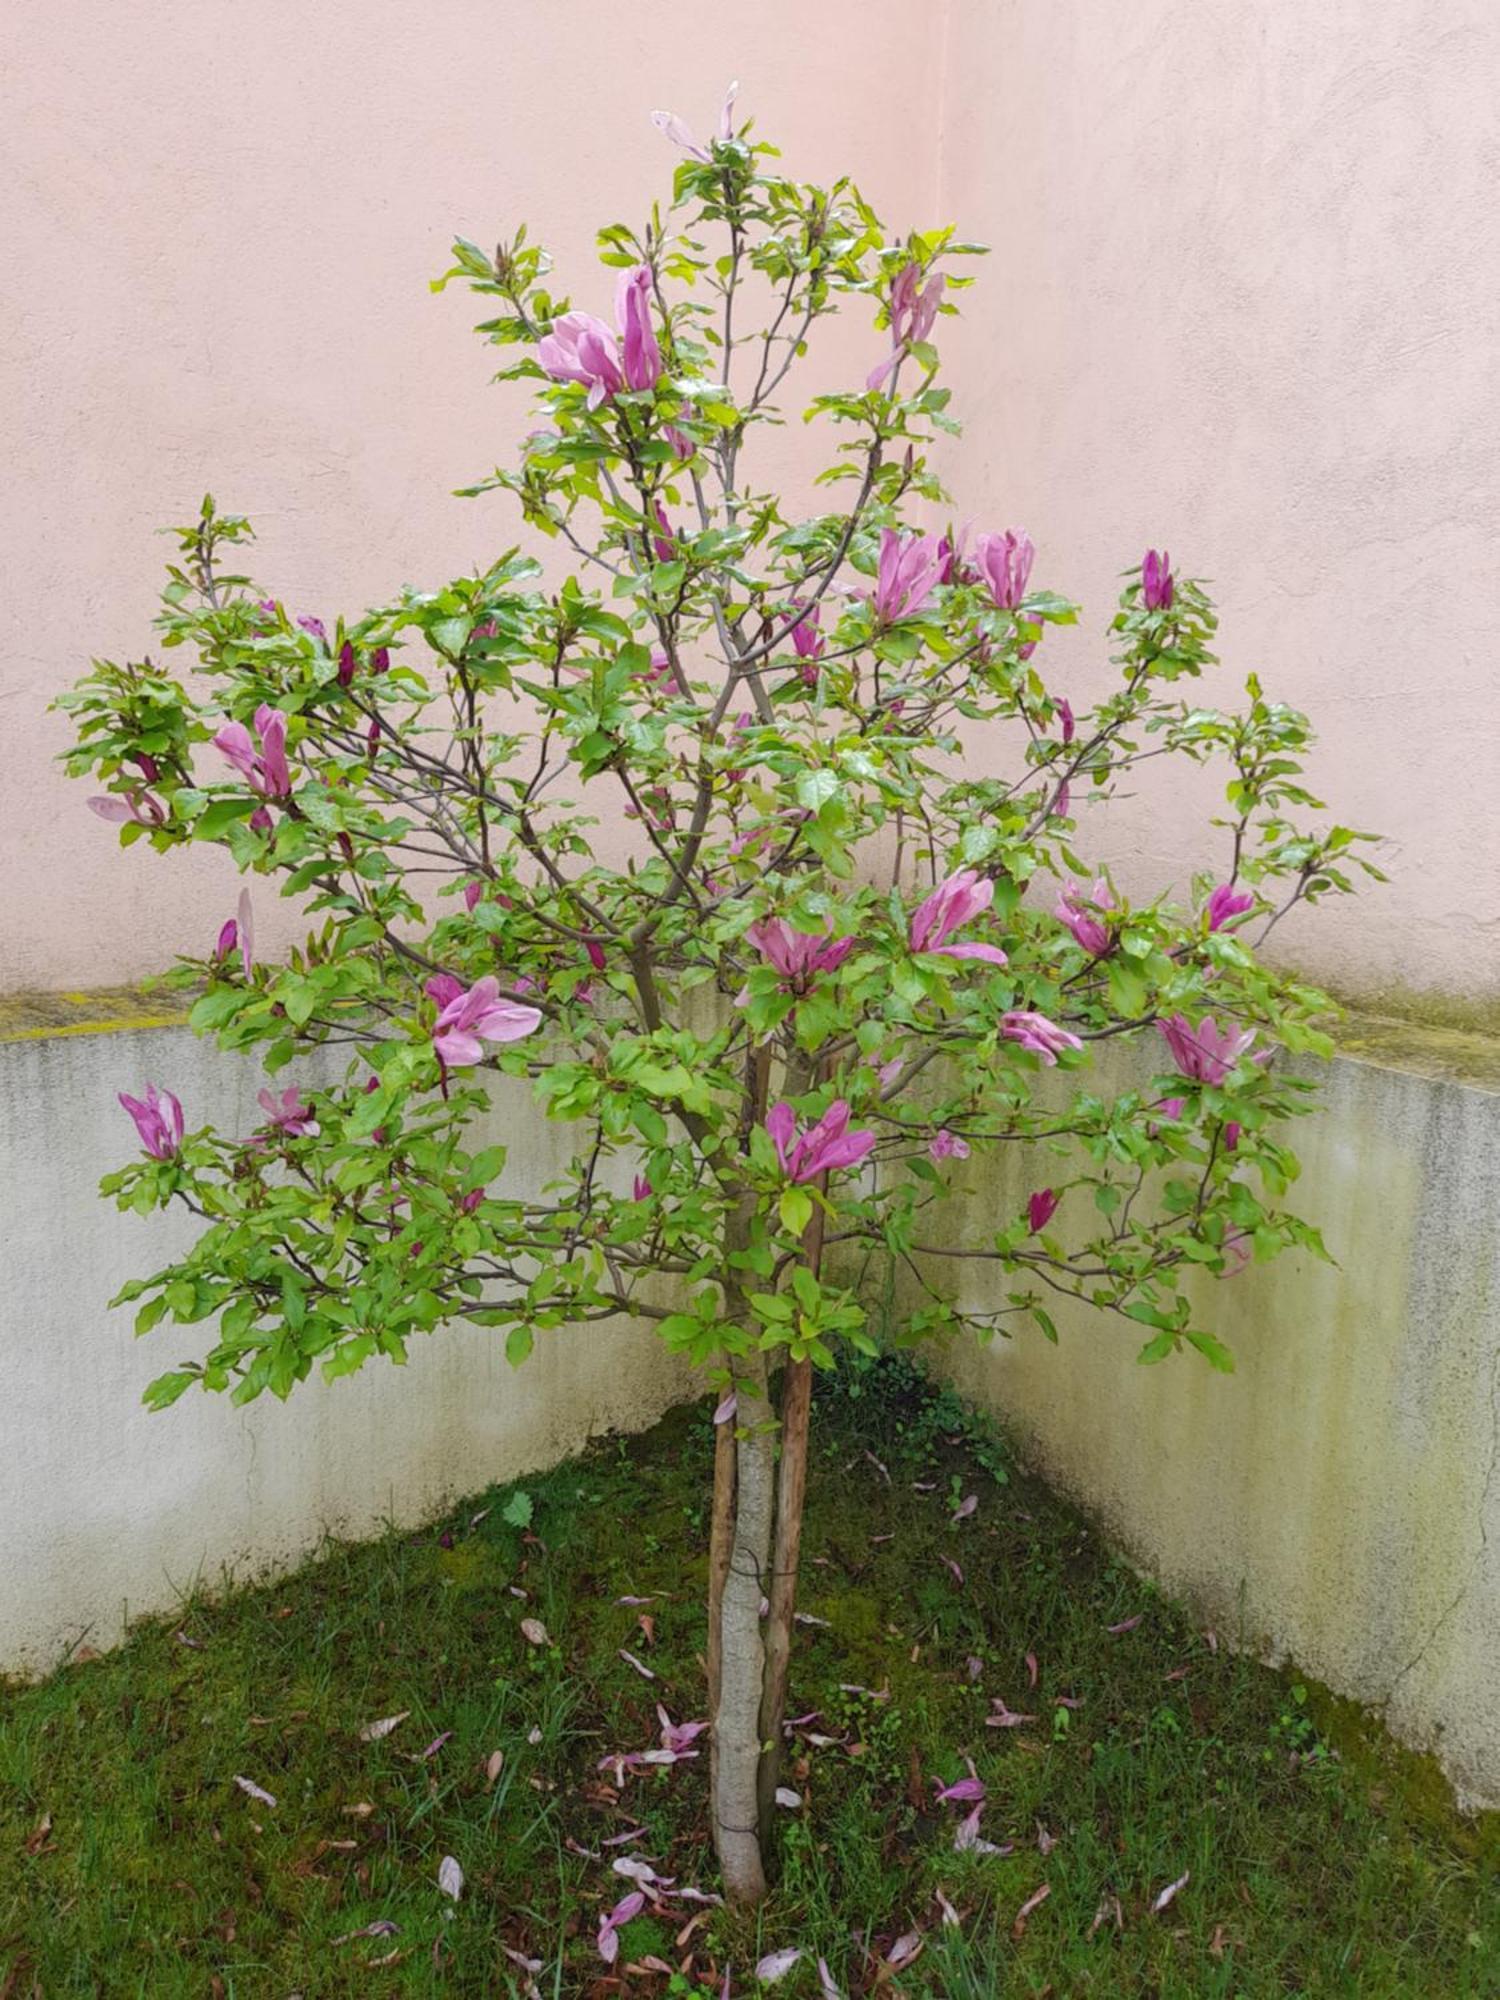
{"points": [[1313, 1858]]}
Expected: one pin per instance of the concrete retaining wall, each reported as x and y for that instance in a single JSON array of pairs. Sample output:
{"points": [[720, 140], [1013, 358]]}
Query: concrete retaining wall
{"points": [[108, 1511], [1337, 1499]]}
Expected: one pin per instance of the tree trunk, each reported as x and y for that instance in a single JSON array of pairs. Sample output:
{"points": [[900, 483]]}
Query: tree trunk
{"points": [[791, 1486], [720, 1543], [791, 1491], [736, 1719]]}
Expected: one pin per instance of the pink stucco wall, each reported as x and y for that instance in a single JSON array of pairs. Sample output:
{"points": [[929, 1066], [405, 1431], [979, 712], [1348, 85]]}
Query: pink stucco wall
{"points": [[219, 227], [1243, 302]]}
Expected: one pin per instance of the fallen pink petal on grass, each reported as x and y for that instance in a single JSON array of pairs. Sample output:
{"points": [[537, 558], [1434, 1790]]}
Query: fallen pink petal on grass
{"points": [[1031, 1669], [450, 1877], [950, 1915], [254, 1791], [610, 1923], [1033, 1902], [1004, 1717], [1171, 1892], [907, 1947], [964, 1791], [1107, 1910], [952, 1567], [776, 1965], [1125, 1625], [641, 1668], [635, 1868], [382, 1927], [968, 1840]]}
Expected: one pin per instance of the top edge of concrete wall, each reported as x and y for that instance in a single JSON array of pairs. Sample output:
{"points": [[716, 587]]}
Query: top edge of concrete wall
{"points": [[1444, 1055]]}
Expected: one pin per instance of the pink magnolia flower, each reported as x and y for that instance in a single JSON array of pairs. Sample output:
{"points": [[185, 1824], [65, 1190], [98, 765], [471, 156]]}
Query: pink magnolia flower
{"points": [[946, 1145], [664, 542], [952, 904], [660, 668], [1207, 1053], [640, 1188], [136, 806], [797, 955], [1069, 726], [288, 1114], [580, 348], [314, 628], [955, 569], [345, 674], [826, 1148], [808, 642], [1004, 564], [239, 932], [913, 314], [473, 892], [1086, 927], [681, 133], [1157, 586], [1226, 903], [158, 1121], [260, 759], [468, 1019], [1035, 1032], [1040, 1209], [467, 1203], [639, 353], [910, 566]]}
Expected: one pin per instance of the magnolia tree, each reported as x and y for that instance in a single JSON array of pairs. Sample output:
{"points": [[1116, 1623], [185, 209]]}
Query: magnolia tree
{"points": [[760, 845]]}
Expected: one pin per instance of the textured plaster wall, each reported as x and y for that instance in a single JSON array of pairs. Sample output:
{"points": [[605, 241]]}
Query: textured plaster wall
{"points": [[108, 1511], [1245, 302], [219, 226], [1337, 1499]]}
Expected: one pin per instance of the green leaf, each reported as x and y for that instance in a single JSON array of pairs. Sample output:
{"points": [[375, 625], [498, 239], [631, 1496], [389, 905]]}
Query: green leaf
{"points": [[796, 1210], [1214, 1352], [1159, 1348], [518, 1510]]}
